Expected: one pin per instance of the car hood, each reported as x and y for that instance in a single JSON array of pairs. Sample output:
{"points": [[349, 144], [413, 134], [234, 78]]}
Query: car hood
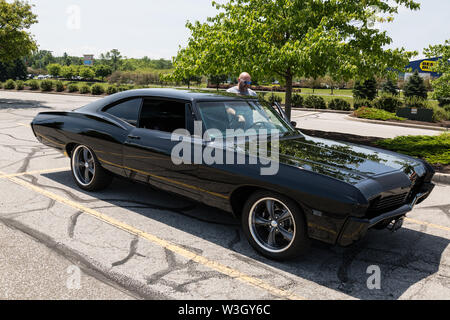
{"points": [[344, 161]]}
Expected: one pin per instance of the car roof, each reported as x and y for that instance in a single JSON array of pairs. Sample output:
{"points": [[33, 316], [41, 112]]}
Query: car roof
{"points": [[166, 93]]}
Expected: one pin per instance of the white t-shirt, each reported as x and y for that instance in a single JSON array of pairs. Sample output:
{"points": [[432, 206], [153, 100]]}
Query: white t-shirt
{"points": [[236, 90]]}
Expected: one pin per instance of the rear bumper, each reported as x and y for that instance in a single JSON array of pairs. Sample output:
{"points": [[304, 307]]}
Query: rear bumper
{"points": [[355, 228]]}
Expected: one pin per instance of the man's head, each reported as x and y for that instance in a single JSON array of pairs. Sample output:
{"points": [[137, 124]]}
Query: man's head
{"points": [[244, 81]]}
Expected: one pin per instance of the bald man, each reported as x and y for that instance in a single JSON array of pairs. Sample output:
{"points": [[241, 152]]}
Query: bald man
{"points": [[243, 87]]}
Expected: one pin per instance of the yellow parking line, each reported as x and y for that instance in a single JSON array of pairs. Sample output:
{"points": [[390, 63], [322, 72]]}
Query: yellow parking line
{"points": [[232, 273], [423, 223], [12, 175], [22, 124]]}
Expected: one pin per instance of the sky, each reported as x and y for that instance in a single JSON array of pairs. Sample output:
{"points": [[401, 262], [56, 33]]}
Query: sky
{"points": [[156, 28]]}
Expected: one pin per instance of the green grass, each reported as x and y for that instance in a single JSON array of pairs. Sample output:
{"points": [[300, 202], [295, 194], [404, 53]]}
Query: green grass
{"points": [[376, 114], [434, 149]]}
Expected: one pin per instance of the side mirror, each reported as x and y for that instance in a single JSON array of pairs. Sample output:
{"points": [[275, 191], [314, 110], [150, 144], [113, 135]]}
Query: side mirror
{"points": [[294, 124]]}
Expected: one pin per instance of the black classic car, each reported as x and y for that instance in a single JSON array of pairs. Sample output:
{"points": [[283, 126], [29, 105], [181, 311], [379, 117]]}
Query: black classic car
{"points": [[325, 190]]}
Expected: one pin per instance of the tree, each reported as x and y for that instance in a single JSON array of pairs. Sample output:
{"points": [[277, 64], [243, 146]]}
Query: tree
{"points": [[365, 90], [67, 72], [87, 72], [54, 69], [15, 70], [390, 87], [15, 19], [415, 87], [297, 38], [441, 85], [217, 80], [113, 58], [103, 71]]}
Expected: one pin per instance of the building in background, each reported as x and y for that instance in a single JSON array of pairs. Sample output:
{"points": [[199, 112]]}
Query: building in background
{"points": [[423, 66], [88, 60]]}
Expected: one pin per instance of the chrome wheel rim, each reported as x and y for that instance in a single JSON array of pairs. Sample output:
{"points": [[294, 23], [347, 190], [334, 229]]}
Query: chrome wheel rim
{"points": [[83, 165], [272, 225]]}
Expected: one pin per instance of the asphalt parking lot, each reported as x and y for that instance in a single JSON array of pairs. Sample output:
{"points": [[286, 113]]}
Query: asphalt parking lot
{"points": [[131, 241]]}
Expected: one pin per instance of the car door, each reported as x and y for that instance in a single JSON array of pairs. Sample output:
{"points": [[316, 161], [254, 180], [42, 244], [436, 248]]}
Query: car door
{"points": [[148, 149]]}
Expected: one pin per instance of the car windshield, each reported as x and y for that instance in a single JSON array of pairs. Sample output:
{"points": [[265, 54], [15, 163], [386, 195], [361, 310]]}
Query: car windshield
{"points": [[247, 116]]}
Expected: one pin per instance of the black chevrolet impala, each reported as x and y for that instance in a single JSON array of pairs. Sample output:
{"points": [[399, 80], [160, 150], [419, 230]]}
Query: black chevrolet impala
{"points": [[325, 190]]}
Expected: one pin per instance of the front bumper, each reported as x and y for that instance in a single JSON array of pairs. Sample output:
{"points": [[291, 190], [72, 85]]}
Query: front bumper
{"points": [[355, 228]]}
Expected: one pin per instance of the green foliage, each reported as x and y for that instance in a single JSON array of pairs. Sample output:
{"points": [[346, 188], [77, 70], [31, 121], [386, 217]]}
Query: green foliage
{"points": [[68, 72], [111, 90], [20, 85], [315, 102], [87, 72], [33, 84], [73, 88], [444, 101], [441, 85], [97, 89], [13, 70], [417, 102], [84, 89], [59, 85], [415, 87], [389, 87], [54, 69], [339, 104], [376, 114], [103, 71], [10, 85], [15, 19], [434, 149], [440, 114], [366, 90], [297, 100], [274, 98], [47, 85], [291, 39], [359, 103], [388, 103]]}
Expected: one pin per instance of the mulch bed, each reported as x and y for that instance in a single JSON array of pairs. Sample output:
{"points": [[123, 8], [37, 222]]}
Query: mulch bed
{"points": [[367, 141], [442, 124]]}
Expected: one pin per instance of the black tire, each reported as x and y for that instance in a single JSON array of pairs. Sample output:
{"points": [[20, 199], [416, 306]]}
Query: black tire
{"points": [[281, 235], [90, 177]]}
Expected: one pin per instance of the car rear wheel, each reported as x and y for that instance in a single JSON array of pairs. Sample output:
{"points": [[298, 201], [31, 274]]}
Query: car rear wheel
{"points": [[87, 171], [275, 226]]}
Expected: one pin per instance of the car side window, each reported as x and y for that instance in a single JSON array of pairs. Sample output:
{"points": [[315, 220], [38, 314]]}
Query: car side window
{"points": [[163, 115], [127, 110]]}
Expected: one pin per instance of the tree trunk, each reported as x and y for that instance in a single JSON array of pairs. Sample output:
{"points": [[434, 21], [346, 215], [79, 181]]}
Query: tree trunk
{"points": [[288, 108]]}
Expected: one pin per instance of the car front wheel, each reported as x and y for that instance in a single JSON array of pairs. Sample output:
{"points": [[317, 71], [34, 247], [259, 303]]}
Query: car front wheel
{"points": [[275, 226], [87, 171]]}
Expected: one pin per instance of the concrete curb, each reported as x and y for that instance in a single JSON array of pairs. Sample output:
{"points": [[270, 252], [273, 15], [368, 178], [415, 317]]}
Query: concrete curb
{"points": [[398, 124], [442, 178], [322, 110]]}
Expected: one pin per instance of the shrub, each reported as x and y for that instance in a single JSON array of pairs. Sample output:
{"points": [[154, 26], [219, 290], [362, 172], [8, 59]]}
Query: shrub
{"points": [[72, 87], [85, 89], [10, 85], [297, 101], [111, 90], [375, 114], [47, 85], [20, 85], [274, 98], [122, 88], [359, 103], [444, 101], [315, 102], [415, 87], [59, 86], [440, 114], [339, 104], [97, 89], [33, 84], [388, 103], [416, 102]]}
